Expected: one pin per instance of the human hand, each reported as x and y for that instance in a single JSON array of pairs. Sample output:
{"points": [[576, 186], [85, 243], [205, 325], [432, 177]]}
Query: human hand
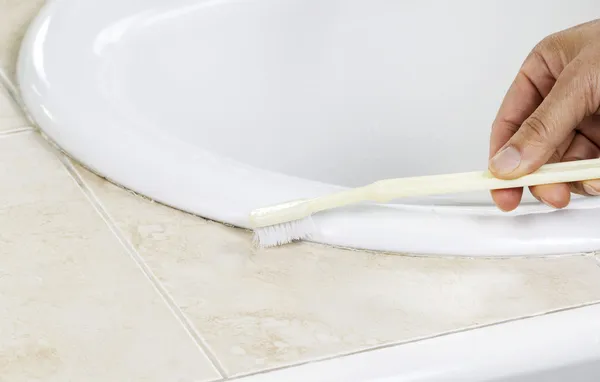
{"points": [[551, 113]]}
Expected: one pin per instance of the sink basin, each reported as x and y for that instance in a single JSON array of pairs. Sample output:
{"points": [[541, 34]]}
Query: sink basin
{"points": [[218, 107]]}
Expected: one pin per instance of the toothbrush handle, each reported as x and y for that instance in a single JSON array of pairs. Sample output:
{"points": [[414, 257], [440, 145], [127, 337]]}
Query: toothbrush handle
{"points": [[386, 190]]}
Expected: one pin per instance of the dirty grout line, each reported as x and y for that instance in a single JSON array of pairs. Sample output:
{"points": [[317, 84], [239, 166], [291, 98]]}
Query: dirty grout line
{"points": [[137, 258]]}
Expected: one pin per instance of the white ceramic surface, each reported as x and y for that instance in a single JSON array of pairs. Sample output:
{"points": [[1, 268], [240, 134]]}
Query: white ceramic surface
{"points": [[218, 107], [559, 347]]}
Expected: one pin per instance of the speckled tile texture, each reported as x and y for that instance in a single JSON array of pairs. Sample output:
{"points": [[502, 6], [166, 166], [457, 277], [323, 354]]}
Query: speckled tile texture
{"points": [[268, 308], [73, 304]]}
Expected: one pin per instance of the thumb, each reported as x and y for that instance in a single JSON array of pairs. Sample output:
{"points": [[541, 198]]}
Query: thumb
{"points": [[574, 96]]}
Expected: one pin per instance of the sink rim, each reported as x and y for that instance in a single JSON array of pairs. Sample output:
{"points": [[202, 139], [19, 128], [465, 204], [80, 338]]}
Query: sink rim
{"points": [[430, 230]]}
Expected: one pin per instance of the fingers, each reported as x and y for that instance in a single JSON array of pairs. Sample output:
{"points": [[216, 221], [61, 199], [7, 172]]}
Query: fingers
{"points": [[583, 148], [533, 82], [591, 187], [573, 97], [555, 195], [590, 129], [556, 88], [507, 199], [576, 147]]}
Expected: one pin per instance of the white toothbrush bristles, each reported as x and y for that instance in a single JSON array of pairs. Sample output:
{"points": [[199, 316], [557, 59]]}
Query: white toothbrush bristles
{"points": [[279, 234]]}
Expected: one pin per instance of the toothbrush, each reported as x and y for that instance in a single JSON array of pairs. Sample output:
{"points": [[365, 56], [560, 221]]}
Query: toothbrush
{"points": [[283, 223]]}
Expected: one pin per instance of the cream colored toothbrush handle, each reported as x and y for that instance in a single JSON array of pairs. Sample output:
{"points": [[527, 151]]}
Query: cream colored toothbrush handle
{"points": [[386, 190]]}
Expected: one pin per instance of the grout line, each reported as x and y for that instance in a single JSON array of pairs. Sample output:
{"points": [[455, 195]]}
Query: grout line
{"points": [[189, 328], [14, 93], [400, 343], [137, 258], [18, 130], [10, 87]]}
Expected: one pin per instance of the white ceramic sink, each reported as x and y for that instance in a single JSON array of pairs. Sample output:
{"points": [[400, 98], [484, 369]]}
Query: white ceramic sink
{"points": [[558, 347], [218, 106]]}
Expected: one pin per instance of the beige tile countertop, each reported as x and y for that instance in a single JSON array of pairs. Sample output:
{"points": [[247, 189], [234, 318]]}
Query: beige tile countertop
{"points": [[98, 284]]}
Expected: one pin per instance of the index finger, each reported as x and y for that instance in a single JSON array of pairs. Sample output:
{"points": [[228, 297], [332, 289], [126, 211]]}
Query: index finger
{"points": [[532, 84]]}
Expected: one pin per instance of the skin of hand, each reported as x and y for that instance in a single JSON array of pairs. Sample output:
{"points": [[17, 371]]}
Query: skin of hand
{"points": [[551, 113]]}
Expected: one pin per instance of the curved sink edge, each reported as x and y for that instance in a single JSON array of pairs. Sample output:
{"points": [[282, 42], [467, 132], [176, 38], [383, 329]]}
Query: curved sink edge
{"points": [[373, 227], [460, 235]]}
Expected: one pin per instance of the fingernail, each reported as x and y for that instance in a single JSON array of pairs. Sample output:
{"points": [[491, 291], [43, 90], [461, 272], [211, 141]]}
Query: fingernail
{"points": [[592, 188], [506, 160], [548, 203]]}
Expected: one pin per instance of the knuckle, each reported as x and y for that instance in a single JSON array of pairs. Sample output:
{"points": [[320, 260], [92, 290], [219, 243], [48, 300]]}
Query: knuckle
{"points": [[591, 82], [583, 75], [549, 53], [537, 130], [555, 157], [547, 46], [591, 91]]}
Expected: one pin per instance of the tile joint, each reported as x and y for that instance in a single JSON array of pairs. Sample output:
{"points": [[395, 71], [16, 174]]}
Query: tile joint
{"points": [[146, 270], [8, 84], [19, 130], [13, 93]]}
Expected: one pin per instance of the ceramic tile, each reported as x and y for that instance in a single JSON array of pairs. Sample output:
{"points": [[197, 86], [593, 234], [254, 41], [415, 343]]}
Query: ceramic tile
{"points": [[15, 16], [73, 304], [11, 117], [261, 309]]}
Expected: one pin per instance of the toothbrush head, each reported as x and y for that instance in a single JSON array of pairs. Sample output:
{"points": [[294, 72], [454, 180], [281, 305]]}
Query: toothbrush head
{"points": [[284, 233]]}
